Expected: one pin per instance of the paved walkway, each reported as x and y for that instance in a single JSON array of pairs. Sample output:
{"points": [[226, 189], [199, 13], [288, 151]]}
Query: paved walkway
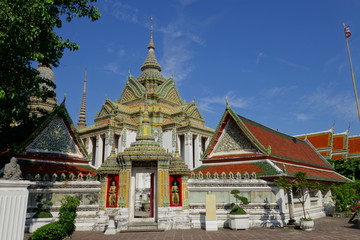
{"points": [[329, 228]]}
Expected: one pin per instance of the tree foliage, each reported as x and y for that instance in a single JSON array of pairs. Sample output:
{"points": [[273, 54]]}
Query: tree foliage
{"points": [[235, 207], [27, 37], [345, 195], [301, 185], [349, 168]]}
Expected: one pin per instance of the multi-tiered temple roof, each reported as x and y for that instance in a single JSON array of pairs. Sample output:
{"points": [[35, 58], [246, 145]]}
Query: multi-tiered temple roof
{"points": [[165, 105], [334, 145]]}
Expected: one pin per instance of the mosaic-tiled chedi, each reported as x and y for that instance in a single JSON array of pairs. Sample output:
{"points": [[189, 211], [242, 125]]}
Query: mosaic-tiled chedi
{"points": [[168, 179], [173, 121]]}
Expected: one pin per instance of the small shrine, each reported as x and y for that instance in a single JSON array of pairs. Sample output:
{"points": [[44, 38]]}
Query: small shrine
{"points": [[144, 179]]}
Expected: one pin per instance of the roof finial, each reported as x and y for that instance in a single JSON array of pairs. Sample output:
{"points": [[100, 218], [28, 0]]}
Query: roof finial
{"points": [[151, 26], [227, 102], [151, 43]]}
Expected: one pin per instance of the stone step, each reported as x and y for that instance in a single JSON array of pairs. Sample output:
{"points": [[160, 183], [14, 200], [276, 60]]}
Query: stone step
{"points": [[143, 227]]}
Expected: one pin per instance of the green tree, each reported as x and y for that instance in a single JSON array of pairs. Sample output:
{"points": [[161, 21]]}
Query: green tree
{"points": [[27, 37], [301, 185], [349, 168], [345, 195]]}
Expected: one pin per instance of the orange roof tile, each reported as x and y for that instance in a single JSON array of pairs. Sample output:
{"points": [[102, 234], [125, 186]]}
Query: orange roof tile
{"points": [[283, 145], [354, 145], [321, 140], [339, 143], [51, 168], [337, 156], [313, 173]]}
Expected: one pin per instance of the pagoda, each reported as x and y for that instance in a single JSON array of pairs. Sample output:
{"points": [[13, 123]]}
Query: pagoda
{"points": [[175, 124]]}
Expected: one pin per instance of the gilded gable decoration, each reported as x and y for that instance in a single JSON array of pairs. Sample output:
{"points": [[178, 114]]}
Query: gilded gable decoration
{"points": [[192, 110], [173, 96], [103, 112], [127, 96], [55, 138], [232, 139]]}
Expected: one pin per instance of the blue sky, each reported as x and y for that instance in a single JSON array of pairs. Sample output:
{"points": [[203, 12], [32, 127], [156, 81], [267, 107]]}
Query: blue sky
{"points": [[281, 63]]}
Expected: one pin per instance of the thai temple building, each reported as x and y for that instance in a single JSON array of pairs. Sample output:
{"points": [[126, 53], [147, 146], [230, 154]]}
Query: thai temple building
{"points": [[334, 146], [175, 124], [140, 166]]}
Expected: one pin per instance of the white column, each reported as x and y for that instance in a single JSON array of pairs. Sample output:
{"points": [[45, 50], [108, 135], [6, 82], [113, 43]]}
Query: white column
{"points": [[188, 150], [197, 150], [119, 147], [89, 145], [99, 151], [13, 205], [108, 141]]}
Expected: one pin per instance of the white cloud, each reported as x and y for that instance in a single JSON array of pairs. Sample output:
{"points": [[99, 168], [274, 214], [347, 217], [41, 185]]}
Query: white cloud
{"points": [[122, 11], [302, 116], [259, 57], [176, 59], [206, 104], [291, 64], [326, 101], [121, 52], [277, 91], [112, 68]]}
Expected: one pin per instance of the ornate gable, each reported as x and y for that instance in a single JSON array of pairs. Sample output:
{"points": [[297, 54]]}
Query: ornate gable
{"points": [[103, 112], [133, 90], [169, 92], [173, 96], [192, 111], [127, 95], [233, 140], [54, 138]]}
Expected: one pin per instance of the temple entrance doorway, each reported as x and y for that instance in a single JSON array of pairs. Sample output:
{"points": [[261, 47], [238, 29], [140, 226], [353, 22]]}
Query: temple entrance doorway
{"points": [[143, 195]]}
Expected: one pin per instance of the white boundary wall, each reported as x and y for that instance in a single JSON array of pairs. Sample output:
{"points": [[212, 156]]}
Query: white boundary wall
{"points": [[13, 206]]}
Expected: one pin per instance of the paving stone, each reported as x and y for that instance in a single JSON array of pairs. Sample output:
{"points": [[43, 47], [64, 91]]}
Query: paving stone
{"points": [[325, 228]]}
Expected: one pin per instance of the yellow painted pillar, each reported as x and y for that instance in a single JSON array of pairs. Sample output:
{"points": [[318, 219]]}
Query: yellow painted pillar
{"points": [[124, 188], [185, 194], [102, 201], [163, 188], [210, 219]]}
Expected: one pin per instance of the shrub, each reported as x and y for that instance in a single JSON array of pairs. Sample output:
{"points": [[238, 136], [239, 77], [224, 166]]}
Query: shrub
{"points": [[65, 226], [41, 211], [345, 195], [51, 231], [235, 208]]}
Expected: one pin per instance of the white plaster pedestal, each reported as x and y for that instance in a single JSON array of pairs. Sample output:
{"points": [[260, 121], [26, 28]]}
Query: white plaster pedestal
{"points": [[36, 223], [13, 206], [111, 230], [239, 221]]}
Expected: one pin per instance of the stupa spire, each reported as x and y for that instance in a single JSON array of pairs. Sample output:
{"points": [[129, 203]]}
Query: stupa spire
{"points": [[151, 42], [82, 116], [151, 69]]}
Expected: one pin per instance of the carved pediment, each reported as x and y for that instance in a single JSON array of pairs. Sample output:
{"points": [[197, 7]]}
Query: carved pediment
{"points": [[192, 111], [173, 96], [133, 90], [54, 138], [103, 112], [233, 140], [127, 96]]}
